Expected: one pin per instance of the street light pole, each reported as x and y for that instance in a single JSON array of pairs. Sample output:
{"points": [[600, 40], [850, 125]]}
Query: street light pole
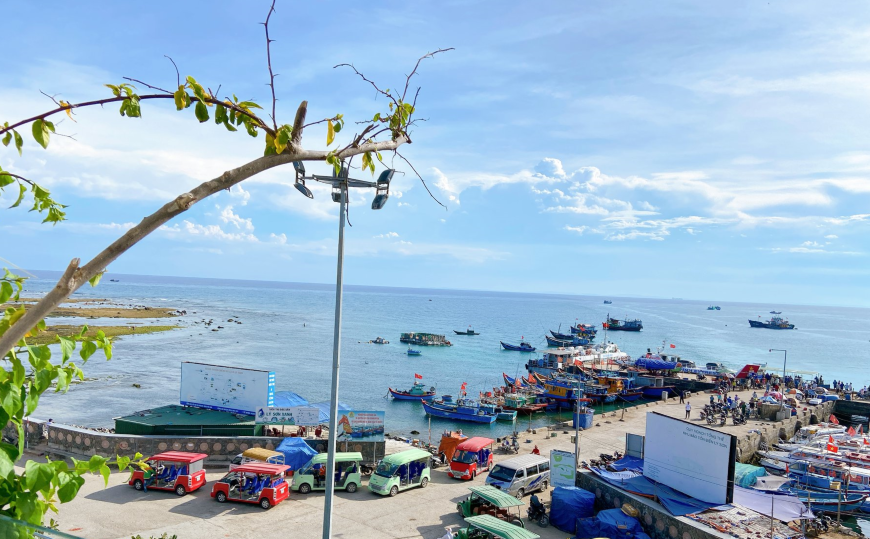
{"points": [[336, 363]]}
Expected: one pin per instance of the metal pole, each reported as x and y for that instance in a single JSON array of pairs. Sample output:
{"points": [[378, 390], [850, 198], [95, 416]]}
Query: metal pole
{"points": [[336, 363], [577, 430]]}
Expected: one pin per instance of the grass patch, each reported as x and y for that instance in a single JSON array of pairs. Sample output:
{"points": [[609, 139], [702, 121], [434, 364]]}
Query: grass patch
{"points": [[110, 311], [49, 336]]}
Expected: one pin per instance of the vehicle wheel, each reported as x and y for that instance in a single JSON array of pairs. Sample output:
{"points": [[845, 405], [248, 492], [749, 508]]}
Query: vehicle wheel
{"points": [[220, 497], [521, 493], [265, 503], [544, 521], [394, 491], [518, 522], [138, 485], [424, 482], [351, 487], [459, 508], [304, 488], [474, 475], [180, 490]]}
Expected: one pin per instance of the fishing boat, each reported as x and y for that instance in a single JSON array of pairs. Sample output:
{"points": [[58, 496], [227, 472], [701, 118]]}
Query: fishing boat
{"points": [[775, 322], [583, 329], [506, 415], [630, 395], [837, 502], [561, 336], [524, 403], [412, 352], [380, 340], [655, 392], [468, 331], [775, 312], [714, 308], [607, 302], [511, 382], [424, 339], [523, 347], [622, 325], [573, 340], [464, 409], [418, 391]]}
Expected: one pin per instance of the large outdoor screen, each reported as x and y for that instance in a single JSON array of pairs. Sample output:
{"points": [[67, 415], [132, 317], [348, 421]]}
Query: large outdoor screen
{"points": [[229, 389], [690, 458]]}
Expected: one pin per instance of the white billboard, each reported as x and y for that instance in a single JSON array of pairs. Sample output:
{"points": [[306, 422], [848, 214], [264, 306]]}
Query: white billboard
{"points": [[692, 459], [228, 389], [292, 415], [563, 468]]}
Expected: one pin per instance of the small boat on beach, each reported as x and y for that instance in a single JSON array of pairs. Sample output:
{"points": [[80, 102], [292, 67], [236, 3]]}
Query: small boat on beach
{"points": [[412, 352], [417, 392], [468, 331], [523, 347]]}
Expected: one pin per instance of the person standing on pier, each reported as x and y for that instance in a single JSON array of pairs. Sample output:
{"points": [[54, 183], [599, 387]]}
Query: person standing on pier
{"points": [[682, 396], [688, 409]]}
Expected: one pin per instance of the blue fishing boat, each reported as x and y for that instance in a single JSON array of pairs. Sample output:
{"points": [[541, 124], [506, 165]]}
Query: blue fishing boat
{"points": [[607, 302], [651, 392], [464, 409], [523, 347], [574, 340], [561, 336], [418, 391], [412, 352], [584, 329], [512, 382], [828, 501], [622, 325], [630, 395], [775, 322]]}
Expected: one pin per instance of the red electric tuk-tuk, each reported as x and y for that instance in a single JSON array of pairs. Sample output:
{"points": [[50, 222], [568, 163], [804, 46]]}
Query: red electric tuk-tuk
{"points": [[470, 457], [256, 482], [173, 470]]}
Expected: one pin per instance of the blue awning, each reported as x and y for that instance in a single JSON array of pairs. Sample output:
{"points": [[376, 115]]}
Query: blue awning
{"points": [[324, 409]]}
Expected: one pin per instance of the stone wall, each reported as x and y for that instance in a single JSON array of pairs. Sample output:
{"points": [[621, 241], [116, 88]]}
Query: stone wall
{"points": [[655, 520], [72, 441], [773, 432]]}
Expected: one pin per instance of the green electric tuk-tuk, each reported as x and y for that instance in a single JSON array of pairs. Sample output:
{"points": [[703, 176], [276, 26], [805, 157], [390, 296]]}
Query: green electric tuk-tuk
{"points": [[488, 500], [401, 471], [489, 527], [312, 476]]}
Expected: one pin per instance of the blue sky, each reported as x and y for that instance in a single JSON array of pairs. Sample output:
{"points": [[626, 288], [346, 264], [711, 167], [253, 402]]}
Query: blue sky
{"points": [[698, 150]]}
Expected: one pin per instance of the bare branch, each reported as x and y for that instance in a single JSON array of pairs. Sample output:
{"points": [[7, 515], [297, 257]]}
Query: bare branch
{"points": [[396, 152], [146, 84], [75, 277], [51, 97], [375, 86], [177, 74], [269, 63], [414, 72], [298, 128]]}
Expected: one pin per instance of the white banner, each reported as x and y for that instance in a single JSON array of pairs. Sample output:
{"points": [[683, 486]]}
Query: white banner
{"points": [[294, 415], [563, 468]]}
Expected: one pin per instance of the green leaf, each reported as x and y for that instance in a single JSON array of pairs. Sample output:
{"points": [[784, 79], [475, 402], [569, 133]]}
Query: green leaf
{"points": [[21, 190], [68, 486], [377, 117], [6, 291], [106, 473], [7, 138], [37, 476], [330, 133], [179, 98], [88, 349], [5, 179], [19, 141], [201, 112], [63, 379], [122, 463], [8, 454], [67, 347], [96, 463], [337, 127], [41, 132], [95, 280]]}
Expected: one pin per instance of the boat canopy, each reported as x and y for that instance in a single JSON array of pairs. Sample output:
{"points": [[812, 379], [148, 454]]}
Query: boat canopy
{"points": [[262, 467], [179, 456], [497, 497], [320, 458], [474, 444], [500, 528], [653, 364], [406, 456]]}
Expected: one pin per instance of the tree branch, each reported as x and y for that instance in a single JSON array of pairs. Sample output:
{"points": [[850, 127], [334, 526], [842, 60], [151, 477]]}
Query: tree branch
{"points": [[75, 277], [146, 84], [414, 72], [269, 63], [177, 74], [375, 86], [421, 179]]}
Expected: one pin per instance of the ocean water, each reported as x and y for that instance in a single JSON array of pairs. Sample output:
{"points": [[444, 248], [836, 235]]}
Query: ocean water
{"points": [[287, 328]]}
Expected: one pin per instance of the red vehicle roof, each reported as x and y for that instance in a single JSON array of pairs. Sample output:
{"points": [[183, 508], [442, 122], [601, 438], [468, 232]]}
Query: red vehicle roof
{"points": [[179, 456], [474, 444], [262, 467]]}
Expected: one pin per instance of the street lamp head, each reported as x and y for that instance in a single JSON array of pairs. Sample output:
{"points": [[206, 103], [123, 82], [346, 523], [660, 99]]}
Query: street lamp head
{"points": [[383, 186], [300, 179], [336, 193], [300, 169]]}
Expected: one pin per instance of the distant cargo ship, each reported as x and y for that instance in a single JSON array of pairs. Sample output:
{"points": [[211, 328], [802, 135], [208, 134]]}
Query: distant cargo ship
{"points": [[776, 322]]}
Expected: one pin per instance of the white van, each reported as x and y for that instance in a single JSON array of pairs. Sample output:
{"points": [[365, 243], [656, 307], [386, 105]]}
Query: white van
{"points": [[521, 475]]}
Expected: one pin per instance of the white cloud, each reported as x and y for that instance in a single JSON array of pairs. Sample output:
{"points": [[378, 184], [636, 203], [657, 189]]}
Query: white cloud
{"points": [[227, 216], [388, 235], [191, 230], [278, 238], [401, 204], [239, 193], [811, 244], [578, 229], [831, 237]]}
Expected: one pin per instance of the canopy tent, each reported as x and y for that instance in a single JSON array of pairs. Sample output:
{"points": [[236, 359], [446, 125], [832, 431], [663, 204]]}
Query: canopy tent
{"points": [[324, 409], [296, 452], [569, 504], [746, 475], [287, 399]]}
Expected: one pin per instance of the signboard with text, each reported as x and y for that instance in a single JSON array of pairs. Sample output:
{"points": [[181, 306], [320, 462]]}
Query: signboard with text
{"points": [[563, 468], [364, 426], [228, 389], [293, 415]]}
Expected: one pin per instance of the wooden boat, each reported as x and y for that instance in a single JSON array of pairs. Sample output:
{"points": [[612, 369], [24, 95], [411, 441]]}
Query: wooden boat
{"points": [[512, 382], [468, 331], [417, 392], [523, 347], [380, 340], [630, 395], [412, 352], [462, 410], [562, 336], [507, 415], [573, 340], [523, 403]]}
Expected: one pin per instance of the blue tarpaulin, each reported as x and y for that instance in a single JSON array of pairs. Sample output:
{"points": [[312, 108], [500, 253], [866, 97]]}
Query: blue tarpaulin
{"points": [[655, 364], [324, 409], [676, 503], [296, 452], [628, 463], [569, 504], [611, 523], [746, 475], [287, 399]]}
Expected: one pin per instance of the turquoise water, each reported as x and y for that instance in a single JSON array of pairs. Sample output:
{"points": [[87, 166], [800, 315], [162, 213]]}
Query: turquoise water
{"points": [[287, 328]]}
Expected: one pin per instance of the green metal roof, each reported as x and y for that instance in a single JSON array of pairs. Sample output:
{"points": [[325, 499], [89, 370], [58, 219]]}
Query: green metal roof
{"points": [[495, 496], [404, 457], [186, 415], [500, 528], [339, 457]]}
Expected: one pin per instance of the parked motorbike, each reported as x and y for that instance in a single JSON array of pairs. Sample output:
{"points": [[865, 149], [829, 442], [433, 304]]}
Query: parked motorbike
{"points": [[723, 419], [538, 514], [365, 469]]}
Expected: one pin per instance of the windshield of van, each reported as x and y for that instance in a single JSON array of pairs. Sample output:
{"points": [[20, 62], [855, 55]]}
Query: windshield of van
{"points": [[500, 473], [385, 469], [465, 457]]}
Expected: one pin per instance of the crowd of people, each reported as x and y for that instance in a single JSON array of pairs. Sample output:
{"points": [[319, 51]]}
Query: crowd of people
{"points": [[301, 432]]}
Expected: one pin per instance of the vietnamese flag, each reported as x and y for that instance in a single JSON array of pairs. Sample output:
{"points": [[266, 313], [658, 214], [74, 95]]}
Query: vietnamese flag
{"points": [[866, 442], [673, 346], [833, 420], [851, 431], [604, 325], [418, 376], [831, 447], [786, 468]]}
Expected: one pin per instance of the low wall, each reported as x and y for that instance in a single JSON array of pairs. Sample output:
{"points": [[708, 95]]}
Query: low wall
{"points": [[67, 440], [773, 432], [655, 520]]}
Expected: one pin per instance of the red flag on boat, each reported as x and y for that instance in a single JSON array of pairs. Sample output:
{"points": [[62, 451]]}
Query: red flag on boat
{"points": [[831, 447], [464, 384], [786, 468], [604, 325], [418, 376], [673, 346], [833, 420], [866, 442], [851, 431]]}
